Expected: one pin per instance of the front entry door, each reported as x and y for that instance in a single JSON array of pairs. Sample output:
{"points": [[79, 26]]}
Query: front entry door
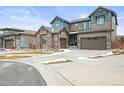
{"points": [[73, 39]]}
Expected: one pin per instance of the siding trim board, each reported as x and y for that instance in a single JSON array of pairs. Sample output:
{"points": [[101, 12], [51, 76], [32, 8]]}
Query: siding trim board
{"points": [[95, 31]]}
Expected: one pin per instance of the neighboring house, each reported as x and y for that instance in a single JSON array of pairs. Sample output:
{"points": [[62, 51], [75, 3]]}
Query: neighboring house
{"points": [[98, 31], [15, 38]]}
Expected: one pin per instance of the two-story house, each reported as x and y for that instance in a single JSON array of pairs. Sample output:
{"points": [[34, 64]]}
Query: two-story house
{"points": [[97, 31], [55, 36], [101, 33]]}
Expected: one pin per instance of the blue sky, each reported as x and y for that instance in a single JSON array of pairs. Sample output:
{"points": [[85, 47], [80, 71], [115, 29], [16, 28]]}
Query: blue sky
{"points": [[32, 17]]}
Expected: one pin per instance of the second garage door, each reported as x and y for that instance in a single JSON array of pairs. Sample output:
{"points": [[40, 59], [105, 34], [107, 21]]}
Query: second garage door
{"points": [[9, 44], [93, 43]]}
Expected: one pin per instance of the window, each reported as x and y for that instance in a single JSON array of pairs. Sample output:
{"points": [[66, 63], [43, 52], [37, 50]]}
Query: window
{"points": [[100, 19], [84, 25], [1, 32], [89, 24], [76, 25], [57, 25], [44, 39]]}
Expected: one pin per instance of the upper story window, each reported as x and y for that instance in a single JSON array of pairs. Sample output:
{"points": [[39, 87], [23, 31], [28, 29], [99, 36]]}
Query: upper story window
{"points": [[57, 25], [1, 32], [89, 24], [76, 25], [100, 19], [84, 25]]}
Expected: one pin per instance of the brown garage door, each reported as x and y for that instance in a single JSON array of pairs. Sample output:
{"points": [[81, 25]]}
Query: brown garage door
{"points": [[93, 43], [9, 44], [63, 43]]}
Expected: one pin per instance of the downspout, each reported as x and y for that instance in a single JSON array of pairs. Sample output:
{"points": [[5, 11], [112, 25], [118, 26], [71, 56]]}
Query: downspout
{"points": [[2, 42], [15, 42], [19, 41], [111, 32]]}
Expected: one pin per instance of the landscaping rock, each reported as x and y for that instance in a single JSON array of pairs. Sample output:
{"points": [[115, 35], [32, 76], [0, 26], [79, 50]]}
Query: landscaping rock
{"points": [[116, 51]]}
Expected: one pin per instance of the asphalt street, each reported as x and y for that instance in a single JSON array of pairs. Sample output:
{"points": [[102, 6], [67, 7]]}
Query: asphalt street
{"points": [[19, 74]]}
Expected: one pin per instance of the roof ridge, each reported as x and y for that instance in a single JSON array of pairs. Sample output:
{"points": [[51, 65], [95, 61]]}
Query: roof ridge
{"points": [[60, 18]]}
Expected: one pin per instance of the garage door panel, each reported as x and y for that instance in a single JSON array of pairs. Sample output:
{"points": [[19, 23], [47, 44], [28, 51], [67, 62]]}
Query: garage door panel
{"points": [[93, 43], [9, 44]]}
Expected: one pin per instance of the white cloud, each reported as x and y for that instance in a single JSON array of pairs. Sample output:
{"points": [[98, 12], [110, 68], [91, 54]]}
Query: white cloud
{"points": [[22, 18], [29, 14], [13, 10], [30, 19], [25, 17], [121, 17], [2, 12], [83, 15]]}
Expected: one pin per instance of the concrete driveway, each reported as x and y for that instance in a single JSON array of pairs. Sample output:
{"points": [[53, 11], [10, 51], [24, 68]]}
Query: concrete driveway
{"points": [[102, 71], [19, 74], [79, 71]]}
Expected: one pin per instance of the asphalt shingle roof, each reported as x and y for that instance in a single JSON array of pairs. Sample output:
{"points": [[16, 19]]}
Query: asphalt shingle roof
{"points": [[80, 20]]}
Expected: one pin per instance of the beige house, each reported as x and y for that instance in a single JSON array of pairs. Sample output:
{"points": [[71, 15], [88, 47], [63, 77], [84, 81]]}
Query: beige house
{"points": [[46, 38], [60, 39], [97, 31]]}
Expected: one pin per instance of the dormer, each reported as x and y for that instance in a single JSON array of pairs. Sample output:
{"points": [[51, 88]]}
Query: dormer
{"points": [[102, 19], [59, 23]]}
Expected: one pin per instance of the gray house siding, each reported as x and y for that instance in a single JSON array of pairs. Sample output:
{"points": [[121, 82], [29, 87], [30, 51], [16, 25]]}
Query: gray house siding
{"points": [[58, 24]]}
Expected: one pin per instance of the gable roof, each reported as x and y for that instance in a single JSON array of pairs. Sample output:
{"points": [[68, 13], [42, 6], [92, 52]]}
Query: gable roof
{"points": [[80, 20], [17, 31], [59, 18], [100, 7], [49, 29], [12, 29], [28, 33]]}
